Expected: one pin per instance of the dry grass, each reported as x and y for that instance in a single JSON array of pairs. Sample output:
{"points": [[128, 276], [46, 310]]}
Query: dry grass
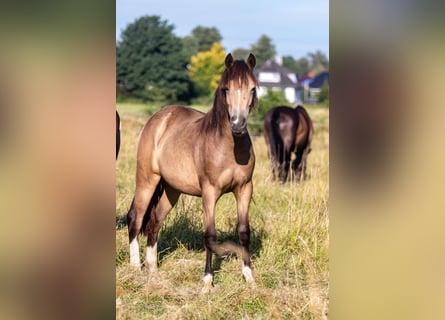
{"points": [[289, 245]]}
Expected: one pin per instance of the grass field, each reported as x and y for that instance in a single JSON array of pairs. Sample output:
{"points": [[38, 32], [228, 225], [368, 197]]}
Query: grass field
{"points": [[289, 243]]}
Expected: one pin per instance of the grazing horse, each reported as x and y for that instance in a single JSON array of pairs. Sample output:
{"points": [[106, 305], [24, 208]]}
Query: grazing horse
{"points": [[288, 130], [118, 133], [182, 150]]}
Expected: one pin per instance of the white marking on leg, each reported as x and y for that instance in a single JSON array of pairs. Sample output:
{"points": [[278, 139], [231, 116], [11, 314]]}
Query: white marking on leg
{"points": [[151, 257], [208, 280], [134, 253], [247, 273]]}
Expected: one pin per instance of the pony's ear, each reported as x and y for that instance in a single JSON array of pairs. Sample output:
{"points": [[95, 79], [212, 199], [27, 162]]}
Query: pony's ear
{"points": [[229, 60], [251, 61]]}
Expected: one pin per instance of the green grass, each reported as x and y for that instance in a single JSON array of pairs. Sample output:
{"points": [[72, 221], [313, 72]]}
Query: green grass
{"points": [[289, 243]]}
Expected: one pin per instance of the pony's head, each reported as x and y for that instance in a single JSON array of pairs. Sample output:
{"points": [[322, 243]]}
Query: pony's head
{"points": [[238, 91]]}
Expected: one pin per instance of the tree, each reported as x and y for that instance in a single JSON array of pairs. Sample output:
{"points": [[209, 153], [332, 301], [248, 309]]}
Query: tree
{"points": [[290, 63], [206, 68], [150, 61], [323, 96], [313, 61], [303, 66], [263, 50], [206, 37], [189, 46], [300, 66], [319, 60], [240, 53]]}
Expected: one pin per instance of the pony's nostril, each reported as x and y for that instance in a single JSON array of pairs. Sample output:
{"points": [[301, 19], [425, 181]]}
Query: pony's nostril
{"points": [[237, 121], [238, 125]]}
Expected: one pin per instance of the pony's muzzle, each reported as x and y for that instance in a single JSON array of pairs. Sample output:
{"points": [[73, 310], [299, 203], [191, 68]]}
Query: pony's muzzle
{"points": [[238, 125]]}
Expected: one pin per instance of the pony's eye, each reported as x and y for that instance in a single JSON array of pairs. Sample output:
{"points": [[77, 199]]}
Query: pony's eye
{"points": [[225, 90], [253, 90]]}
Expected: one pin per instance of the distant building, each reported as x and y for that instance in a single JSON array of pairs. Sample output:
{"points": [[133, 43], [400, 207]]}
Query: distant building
{"points": [[310, 86], [273, 76]]}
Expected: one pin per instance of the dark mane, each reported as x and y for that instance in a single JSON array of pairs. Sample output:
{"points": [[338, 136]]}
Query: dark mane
{"points": [[219, 113]]}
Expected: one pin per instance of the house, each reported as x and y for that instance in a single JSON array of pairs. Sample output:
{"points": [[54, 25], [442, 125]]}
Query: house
{"points": [[319, 80], [273, 76], [303, 86], [311, 86]]}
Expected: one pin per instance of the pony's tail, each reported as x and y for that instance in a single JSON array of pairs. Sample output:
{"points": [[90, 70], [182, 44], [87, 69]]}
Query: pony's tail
{"points": [[275, 140], [309, 122]]}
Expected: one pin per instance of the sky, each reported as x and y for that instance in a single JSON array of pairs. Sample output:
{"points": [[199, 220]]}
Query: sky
{"points": [[296, 27]]}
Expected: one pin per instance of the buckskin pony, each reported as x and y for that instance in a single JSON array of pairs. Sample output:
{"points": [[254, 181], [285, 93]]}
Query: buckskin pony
{"points": [[182, 150]]}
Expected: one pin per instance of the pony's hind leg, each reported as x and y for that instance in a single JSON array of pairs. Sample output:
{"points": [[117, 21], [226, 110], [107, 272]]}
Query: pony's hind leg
{"points": [[132, 234], [284, 167], [275, 166], [167, 200], [135, 216], [306, 152], [298, 166]]}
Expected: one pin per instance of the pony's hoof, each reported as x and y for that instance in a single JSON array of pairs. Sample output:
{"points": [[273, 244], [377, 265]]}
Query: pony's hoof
{"points": [[206, 289], [247, 274], [135, 265], [152, 268], [208, 279]]}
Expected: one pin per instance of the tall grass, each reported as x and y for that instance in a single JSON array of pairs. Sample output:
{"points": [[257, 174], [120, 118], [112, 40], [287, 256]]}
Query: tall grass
{"points": [[289, 244]]}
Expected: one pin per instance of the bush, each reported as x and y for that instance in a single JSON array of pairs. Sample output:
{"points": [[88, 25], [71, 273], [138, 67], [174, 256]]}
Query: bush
{"points": [[203, 101], [267, 102], [323, 96]]}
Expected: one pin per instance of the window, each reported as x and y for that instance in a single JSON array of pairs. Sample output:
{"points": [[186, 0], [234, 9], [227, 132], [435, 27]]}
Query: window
{"points": [[269, 77]]}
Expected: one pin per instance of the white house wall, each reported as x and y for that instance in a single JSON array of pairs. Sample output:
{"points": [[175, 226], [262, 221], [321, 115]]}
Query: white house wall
{"points": [[261, 91], [289, 93], [269, 77]]}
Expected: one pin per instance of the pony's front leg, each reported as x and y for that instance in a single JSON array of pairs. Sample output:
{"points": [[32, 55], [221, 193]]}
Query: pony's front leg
{"points": [[243, 195], [209, 198]]}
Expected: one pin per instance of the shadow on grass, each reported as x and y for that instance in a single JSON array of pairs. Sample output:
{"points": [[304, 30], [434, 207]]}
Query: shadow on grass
{"points": [[121, 222], [188, 234], [185, 233]]}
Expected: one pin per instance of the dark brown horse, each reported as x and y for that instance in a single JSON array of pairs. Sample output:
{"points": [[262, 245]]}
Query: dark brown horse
{"points": [[288, 130], [182, 150]]}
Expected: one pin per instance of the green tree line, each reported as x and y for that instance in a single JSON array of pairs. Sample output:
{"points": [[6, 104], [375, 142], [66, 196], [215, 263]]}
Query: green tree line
{"points": [[153, 64]]}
